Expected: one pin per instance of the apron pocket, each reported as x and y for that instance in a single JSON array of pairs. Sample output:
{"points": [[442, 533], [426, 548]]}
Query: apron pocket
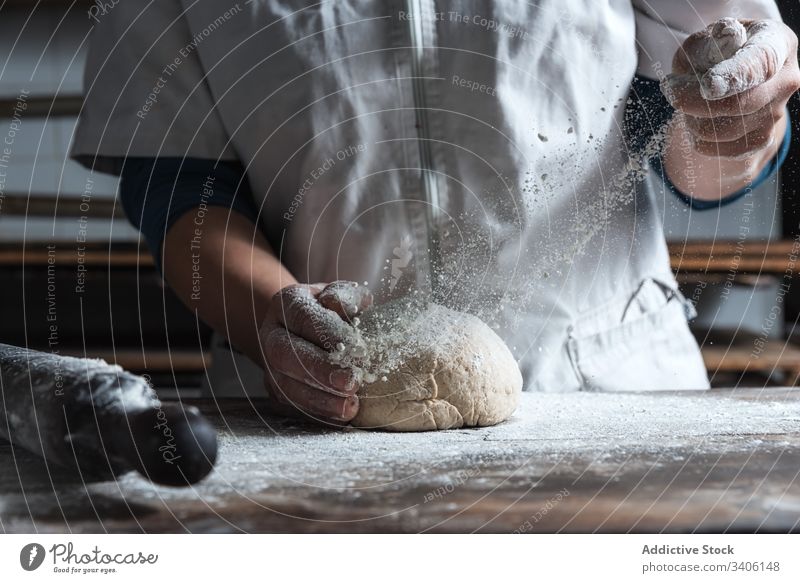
{"points": [[651, 351]]}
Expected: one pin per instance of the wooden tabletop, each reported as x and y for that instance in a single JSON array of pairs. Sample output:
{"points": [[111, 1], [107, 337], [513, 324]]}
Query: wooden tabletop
{"points": [[723, 460]]}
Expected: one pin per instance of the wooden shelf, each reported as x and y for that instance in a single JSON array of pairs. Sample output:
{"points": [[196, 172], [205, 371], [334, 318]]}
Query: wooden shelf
{"points": [[60, 207], [724, 256], [44, 106], [114, 255], [719, 257], [776, 356], [153, 361], [31, 4]]}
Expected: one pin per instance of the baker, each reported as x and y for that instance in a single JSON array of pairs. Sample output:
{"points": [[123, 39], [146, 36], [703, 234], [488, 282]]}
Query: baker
{"points": [[283, 158]]}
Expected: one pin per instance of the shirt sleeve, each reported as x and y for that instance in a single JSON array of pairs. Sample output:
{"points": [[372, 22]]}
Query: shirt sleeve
{"points": [[663, 25], [145, 91], [156, 192]]}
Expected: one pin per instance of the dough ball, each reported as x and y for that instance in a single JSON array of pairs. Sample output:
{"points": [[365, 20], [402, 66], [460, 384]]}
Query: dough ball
{"points": [[446, 369]]}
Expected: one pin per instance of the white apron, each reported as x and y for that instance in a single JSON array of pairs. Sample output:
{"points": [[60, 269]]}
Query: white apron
{"points": [[469, 151]]}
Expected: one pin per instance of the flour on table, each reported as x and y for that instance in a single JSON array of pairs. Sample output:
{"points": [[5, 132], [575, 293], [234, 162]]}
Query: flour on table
{"points": [[548, 429]]}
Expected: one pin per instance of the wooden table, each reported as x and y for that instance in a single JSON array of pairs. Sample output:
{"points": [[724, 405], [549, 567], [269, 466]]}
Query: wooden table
{"points": [[724, 460]]}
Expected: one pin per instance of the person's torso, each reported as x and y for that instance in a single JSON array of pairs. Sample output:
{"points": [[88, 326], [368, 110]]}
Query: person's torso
{"points": [[469, 151]]}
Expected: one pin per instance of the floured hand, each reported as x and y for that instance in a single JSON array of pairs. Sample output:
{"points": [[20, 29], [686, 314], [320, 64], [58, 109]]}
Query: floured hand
{"points": [[730, 84], [305, 325]]}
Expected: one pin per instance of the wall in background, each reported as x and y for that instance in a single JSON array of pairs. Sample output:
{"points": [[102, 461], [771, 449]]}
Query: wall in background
{"points": [[730, 304], [118, 310], [44, 55]]}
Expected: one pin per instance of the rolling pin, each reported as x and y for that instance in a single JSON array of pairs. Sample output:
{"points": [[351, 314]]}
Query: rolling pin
{"points": [[96, 418]]}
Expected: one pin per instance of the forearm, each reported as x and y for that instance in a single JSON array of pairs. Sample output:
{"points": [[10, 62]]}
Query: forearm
{"points": [[707, 177], [226, 272]]}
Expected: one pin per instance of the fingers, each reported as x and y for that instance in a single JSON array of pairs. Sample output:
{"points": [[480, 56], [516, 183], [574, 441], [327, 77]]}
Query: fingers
{"points": [[743, 147], [297, 308], [704, 49], [346, 298], [317, 404], [683, 93], [768, 46], [728, 129], [305, 362], [763, 71], [304, 327]]}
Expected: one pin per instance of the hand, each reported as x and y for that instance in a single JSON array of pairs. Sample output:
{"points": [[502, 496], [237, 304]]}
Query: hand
{"points": [[305, 324], [731, 96]]}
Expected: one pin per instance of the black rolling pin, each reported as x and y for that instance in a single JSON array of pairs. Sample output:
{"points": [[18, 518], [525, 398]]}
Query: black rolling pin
{"points": [[99, 419]]}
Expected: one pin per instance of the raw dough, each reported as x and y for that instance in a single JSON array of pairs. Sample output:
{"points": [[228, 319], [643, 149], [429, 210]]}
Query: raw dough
{"points": [[446, 369]]}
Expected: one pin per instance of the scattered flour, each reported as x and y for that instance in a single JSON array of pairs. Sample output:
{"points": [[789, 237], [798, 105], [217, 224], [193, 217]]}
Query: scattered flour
{"points": [[267, 454], [387, 336]]}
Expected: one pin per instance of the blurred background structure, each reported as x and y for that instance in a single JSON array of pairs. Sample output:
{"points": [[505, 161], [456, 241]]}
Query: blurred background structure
{"points": [[74, 276]]}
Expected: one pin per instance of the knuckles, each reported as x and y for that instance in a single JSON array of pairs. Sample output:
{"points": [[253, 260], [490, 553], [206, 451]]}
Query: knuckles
{"points": [[275, 344], [346, 298], [716, 129], [783, 78], [748, 145], [286, 305]]}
